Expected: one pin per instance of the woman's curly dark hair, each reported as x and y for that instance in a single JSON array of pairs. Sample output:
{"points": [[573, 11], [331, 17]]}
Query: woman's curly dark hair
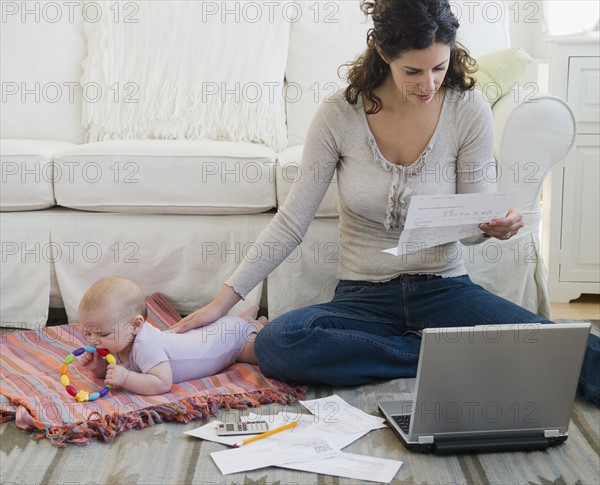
{"points": [[401, 25]]}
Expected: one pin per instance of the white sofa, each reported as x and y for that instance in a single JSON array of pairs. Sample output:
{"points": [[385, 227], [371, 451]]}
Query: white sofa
{"points": [[177, 215]]}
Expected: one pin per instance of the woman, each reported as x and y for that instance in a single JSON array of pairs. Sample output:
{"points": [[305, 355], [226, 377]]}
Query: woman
{"points": [[408, 123]]}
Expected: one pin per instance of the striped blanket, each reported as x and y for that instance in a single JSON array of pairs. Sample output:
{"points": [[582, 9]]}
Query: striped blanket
{"points": [[32, 394]]}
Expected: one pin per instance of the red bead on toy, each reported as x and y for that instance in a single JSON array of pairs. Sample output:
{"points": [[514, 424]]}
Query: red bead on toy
{"points": [[71, 390], [102, 352]]}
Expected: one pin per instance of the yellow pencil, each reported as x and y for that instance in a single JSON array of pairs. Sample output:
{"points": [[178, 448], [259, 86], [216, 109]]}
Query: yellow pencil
{"points": [[264, 435]]}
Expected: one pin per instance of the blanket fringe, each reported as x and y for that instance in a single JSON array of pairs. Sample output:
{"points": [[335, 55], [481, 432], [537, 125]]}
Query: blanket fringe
{"points": [[107, 428]]}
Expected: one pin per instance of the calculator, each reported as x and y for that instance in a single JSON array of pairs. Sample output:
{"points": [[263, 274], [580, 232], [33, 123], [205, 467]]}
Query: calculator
{"points": [[250, 427]]}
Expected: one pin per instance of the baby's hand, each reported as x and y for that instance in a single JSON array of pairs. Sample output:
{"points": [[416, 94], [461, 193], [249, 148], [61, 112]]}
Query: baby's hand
{"points": [[95, 363], [116, 375]]}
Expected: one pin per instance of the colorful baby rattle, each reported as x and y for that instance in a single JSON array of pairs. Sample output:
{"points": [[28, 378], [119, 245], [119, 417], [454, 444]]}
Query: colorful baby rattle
{"points": [[83, 396]]}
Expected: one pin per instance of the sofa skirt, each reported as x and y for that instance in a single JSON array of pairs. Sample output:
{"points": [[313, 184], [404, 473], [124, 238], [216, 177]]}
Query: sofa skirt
{"points": [[51, 257], [309, 274]]}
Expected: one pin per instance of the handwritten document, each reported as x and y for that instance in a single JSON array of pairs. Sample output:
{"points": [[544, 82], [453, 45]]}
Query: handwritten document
{"points": [[438, 219]]}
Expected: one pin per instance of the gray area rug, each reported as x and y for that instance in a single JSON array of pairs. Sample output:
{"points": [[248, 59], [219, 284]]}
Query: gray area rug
{"points": [[163, 455]]}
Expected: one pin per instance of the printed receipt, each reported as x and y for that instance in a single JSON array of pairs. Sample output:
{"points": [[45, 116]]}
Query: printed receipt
{"points": [[438, 219]]}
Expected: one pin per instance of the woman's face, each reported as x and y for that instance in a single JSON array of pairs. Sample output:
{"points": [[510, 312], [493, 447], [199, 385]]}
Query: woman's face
{"points": [[419, 73]]}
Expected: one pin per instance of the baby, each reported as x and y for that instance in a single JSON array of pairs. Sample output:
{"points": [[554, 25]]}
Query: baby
{"points": [[113, 316]]}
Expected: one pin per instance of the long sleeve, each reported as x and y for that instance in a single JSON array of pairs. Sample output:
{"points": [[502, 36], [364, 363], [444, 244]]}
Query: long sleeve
{"points": [[288, 227], [475, 164]]}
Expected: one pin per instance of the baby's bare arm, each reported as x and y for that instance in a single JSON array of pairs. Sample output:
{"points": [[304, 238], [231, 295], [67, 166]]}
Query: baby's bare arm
{"points": [[158, 380]]}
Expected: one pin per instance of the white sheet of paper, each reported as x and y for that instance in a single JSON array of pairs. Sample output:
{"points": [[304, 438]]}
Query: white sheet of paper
{"points": [[308, 425], [347, 465], [313, 445], [438, 219], [337, 413], [209, 430], [271, 452]]}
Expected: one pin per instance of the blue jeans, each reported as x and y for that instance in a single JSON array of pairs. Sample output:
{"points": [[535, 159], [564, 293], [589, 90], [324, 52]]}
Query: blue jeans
{"points": [[369, 331]]}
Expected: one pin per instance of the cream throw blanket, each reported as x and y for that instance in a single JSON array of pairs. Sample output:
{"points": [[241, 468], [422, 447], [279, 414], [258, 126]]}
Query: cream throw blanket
{"points": [[182, 70]]}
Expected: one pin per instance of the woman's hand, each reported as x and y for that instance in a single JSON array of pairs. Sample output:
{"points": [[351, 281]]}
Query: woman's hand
{"points": [[204, 316], [506, 227], [210, 313]]}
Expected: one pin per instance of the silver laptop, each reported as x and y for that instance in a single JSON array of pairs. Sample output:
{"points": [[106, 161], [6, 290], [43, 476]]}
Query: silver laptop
{"points": [[491, 388]]}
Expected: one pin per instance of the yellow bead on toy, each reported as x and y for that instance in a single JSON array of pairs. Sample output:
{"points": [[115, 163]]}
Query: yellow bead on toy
{"points": [[110, 359], [82, 396], [64, 380]]}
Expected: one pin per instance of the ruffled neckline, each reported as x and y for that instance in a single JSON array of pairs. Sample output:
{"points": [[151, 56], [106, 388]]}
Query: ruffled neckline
{"points": [[402, 184]]}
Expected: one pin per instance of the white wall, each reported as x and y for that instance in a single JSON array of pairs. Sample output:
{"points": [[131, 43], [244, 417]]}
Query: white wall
{"points": [[527, 31]]}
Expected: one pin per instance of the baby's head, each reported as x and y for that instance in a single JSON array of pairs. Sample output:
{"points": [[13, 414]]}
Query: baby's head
{"points": [[111, 313]]}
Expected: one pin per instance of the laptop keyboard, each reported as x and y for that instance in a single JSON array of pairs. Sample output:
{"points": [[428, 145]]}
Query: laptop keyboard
{"points": [[403, 420]]}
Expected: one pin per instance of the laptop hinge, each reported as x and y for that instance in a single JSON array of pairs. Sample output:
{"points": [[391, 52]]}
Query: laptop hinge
{"points": [[423, 440], [551, 433]]}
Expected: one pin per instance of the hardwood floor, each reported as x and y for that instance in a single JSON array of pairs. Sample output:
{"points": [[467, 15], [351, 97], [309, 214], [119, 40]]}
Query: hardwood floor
{"points": [[587, 307]]}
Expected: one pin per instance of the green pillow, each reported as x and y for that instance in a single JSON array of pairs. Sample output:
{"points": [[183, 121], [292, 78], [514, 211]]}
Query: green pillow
{"points": [[499, 71]]}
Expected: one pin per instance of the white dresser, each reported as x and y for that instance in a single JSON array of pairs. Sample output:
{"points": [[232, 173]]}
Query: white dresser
{"points": [[571, 203]]}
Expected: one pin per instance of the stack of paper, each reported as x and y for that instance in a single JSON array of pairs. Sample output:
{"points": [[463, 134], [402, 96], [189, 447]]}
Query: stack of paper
{"points": [[313, 445]]}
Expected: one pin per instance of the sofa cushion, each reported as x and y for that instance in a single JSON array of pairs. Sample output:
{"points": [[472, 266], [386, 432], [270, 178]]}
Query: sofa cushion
{"points": [[43, 47], [27, 173], [288, 171], [500, 70], [167, 177]]}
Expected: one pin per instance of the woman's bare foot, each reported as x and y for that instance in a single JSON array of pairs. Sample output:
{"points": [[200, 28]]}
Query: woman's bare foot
{"points": [[250, 313], [247, 355], [257, 324]]}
